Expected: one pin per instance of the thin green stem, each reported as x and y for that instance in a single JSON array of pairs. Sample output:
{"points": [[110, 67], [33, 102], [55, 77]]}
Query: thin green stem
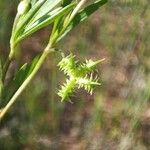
{"points": [[68, 21], [45, 53], [12, 49], [7, 64], [75, 11], [5, 68]]}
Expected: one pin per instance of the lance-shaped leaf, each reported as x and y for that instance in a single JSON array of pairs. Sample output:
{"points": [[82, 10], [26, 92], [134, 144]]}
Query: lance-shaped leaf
{"points": [[24, 72], [26, 18], [18, 79], [83, 15], [45, 21], [44, 9]]}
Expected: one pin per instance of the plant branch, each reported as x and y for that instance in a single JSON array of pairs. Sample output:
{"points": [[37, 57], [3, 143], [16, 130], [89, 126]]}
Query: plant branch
{"points": [[54, 38], [7, 64], [75, 11], [45, 53]]}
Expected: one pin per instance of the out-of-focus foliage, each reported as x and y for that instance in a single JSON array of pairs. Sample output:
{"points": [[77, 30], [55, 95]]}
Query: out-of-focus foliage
{"points": [[117, 116]]}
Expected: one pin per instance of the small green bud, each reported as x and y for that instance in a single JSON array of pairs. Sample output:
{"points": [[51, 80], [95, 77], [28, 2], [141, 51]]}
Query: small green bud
{"points": [[23, 6]]}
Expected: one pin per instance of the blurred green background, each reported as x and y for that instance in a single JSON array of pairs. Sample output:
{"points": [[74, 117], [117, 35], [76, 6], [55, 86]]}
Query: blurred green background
{"points": [[117, 116]]}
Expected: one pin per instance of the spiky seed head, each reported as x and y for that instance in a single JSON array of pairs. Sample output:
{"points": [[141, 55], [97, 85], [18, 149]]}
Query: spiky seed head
{"points": [[78, 76], [67, 64], [88, 83], [67, 89]]}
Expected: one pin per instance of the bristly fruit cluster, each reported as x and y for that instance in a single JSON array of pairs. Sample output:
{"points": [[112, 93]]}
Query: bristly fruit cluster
{"points": [[79, 75]]}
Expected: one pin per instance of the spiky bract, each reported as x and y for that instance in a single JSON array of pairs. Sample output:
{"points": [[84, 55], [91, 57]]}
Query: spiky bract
{"points": [[67, 89], [80, 76]]}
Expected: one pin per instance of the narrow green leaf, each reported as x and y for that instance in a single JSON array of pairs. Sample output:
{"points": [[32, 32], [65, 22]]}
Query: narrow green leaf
{"points": [[18, 79], [83, 15], [21, 74], [24, 72], [46, 20], [45, 9], [33, 64], [24, 19]]}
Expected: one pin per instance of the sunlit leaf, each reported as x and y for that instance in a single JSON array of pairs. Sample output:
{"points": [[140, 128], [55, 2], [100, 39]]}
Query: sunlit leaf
{"points": [[44, 9], [83, 15], [46, 20], [24, 72], [18, 79], [26, 18]]}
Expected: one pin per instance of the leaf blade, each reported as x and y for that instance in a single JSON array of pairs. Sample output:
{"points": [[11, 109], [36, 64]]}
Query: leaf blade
{"points": [[44, 9], [18, 79], [83, 15], [46, 22]]}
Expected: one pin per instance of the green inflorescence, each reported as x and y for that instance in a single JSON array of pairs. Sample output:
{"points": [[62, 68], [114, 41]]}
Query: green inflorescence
{"points": [[79, 75]]}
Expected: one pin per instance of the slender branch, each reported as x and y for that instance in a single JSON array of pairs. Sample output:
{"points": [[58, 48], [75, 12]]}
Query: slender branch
{"points": [[7, 64], [12, 49], [75, 11], [69, 19], [45, 53]]}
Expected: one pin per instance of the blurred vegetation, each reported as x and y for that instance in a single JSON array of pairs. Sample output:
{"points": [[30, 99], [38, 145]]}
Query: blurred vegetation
{"points": [[117, 116]]}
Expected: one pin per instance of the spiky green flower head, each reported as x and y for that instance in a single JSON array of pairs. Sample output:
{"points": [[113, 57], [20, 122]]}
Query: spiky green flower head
{"points": [[68, 65], [79, 75]]}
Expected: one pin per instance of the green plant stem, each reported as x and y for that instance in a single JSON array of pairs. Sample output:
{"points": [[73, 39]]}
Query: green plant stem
{"points": [[69, 19], [12, 49], [75, 11], [45, 53], [6, 65]]}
